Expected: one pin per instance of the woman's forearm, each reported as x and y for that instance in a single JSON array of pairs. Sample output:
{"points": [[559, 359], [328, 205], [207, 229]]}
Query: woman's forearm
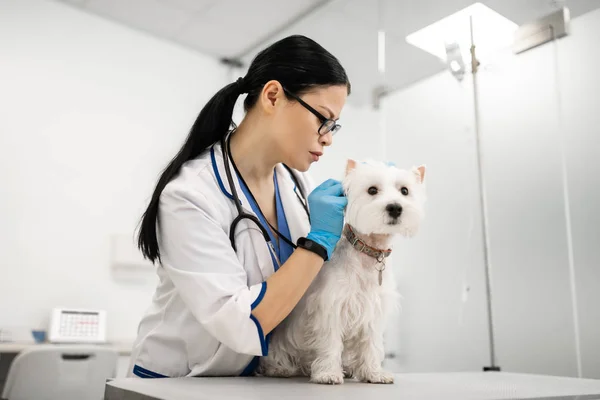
{"points": [[286, 287]]}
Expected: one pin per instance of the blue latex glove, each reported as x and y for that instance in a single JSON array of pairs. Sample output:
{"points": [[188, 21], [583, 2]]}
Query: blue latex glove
{"points": [[327, 203]]}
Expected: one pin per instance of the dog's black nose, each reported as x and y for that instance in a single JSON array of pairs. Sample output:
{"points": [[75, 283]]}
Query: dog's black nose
{"points": [[394, 210]]}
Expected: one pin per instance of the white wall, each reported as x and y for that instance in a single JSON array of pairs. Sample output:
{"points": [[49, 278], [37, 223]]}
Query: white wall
{"points": [[91, 112], [442, 323], [529, 103], [520, 122], [580, 90]]}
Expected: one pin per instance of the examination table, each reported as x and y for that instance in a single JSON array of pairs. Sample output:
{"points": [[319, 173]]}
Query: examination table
{"points": [[446, 386]]}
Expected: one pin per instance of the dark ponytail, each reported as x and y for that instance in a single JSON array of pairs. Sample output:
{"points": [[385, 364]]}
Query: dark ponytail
{"points": [[297, 62]]}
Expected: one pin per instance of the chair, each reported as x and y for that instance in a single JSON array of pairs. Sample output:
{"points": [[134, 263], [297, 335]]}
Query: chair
{"points": [[50, 372]]}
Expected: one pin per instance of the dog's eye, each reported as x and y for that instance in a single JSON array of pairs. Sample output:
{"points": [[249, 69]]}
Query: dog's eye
{"points": [[372, 190], [404, 191]]}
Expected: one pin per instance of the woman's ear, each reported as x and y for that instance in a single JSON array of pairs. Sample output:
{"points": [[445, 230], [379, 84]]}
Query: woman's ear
{"points": [[271, 93]]}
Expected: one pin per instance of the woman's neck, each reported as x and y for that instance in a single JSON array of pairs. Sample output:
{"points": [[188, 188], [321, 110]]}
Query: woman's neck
{"points": [[254, 155]]}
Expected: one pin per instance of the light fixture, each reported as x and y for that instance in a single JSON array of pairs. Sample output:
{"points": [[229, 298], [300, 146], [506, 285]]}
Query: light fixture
{"points": [[455, 60], [381, 38], [493, 31], [381, 51]]}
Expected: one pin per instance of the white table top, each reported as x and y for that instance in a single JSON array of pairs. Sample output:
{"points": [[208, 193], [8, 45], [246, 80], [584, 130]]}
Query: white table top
{"points": [[124, 349], [447, 386]]}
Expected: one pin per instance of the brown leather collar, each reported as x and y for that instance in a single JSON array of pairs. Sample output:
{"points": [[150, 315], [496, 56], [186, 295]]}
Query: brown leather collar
{"points": [[364, 248]]}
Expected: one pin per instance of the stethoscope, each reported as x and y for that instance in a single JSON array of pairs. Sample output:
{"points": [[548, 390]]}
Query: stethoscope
{"points": [[244, 215]]}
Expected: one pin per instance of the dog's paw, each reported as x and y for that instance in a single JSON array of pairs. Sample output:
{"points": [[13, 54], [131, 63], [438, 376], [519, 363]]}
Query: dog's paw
{"points": [[327, 378], [378, 377]]}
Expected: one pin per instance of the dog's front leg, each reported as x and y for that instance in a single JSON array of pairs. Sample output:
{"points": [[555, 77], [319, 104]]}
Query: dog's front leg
{"points": [[370, 354], [327, 365]]}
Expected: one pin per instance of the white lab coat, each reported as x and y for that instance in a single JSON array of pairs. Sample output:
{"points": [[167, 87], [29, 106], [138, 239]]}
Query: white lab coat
{"points": [[199, 322]]}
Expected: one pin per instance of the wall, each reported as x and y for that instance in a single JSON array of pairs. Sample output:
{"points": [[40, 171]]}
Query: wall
{"points": [[520, 120], [579, 82], [536, 107], [442, 322], [91, 112]]}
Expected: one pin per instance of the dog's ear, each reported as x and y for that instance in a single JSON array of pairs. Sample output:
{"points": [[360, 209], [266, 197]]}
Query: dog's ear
{"points": [[420, 172], [350, 165]]}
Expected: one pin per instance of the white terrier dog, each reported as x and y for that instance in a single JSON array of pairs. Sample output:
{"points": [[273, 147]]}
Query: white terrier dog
{"points": [[336, 330]]}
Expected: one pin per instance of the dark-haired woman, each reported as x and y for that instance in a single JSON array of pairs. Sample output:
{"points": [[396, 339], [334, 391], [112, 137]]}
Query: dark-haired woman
{"points": [[234, 225]]}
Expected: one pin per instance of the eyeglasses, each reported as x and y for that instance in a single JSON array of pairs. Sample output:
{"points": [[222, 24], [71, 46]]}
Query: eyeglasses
{"points": [[327, 124]]}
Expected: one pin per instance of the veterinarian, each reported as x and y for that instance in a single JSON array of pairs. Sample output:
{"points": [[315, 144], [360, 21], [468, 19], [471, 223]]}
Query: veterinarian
{"points": [[234, 224]]}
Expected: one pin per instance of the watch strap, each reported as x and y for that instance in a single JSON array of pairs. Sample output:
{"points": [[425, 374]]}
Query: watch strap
{"points": [[313, 246]]}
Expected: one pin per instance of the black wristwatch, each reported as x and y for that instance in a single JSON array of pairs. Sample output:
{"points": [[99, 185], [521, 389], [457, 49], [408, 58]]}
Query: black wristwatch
{"points": [[315, 247]]}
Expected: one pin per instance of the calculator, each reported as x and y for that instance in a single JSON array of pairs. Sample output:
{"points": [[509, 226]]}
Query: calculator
{"points": [[70, 325]]}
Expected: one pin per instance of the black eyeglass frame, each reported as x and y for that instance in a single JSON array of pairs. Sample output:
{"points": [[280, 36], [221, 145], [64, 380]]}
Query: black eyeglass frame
{"points": [[330, 125]]}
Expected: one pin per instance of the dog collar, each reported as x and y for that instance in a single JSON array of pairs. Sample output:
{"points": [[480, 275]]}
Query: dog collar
{"points": [[364, 248]]}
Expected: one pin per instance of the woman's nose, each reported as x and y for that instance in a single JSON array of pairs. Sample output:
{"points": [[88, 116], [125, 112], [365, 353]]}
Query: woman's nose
{"points": [[326, 139]]}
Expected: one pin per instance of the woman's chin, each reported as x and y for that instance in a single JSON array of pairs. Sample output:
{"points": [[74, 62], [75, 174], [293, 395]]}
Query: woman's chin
{"points": [[304, 167], [299, 166]]}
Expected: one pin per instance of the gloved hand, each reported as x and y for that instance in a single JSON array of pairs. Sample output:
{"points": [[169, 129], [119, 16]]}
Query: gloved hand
{"points": [[327, 203]]}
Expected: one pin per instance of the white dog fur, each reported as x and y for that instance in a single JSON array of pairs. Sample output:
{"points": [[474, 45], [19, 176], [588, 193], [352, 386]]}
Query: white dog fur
{"points": [[336, 330]]}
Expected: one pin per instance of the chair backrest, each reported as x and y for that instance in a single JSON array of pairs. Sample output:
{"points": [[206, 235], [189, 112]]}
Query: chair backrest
{"points": [[49, 372]]}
